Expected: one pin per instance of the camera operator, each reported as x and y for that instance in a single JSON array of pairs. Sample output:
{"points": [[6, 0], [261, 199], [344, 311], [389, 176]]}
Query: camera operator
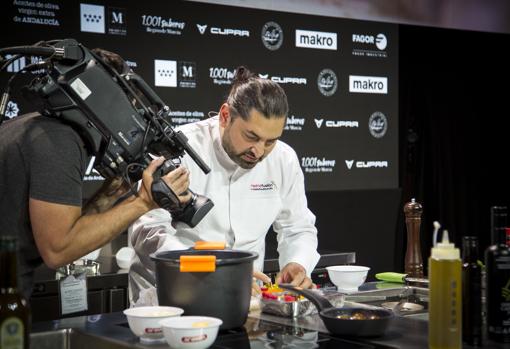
{"points": [[43, 162]]}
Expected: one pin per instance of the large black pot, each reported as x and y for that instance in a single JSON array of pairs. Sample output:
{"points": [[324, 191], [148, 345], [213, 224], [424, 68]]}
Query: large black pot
{"points": [[224, 293]]}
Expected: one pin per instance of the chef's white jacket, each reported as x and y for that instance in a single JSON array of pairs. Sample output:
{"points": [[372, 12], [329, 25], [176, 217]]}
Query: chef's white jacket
{"points": [[246, 203]]}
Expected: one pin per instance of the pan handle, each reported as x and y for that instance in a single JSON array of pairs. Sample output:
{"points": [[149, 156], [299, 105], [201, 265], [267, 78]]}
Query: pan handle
{"points": [[319, 301]]}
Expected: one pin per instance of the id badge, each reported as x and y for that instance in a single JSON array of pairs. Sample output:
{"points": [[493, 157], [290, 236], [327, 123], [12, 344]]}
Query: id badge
{"points": [[73, 293]]}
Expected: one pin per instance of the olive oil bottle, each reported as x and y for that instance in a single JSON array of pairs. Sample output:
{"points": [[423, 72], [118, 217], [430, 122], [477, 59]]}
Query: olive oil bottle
{"points": [[445, 296], [14, 310]]}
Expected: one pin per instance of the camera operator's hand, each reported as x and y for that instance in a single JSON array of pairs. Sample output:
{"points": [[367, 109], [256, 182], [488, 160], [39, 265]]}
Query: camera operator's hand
{"points": [[177, 180]]}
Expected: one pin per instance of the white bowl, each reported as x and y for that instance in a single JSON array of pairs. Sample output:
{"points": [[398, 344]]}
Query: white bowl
{"points": [[144, 321], [347, 277], [190, 332]]}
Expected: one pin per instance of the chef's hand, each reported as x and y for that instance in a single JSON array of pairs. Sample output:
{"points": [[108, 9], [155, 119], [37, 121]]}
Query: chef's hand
{"points": [[257, 275], [294, 274]]}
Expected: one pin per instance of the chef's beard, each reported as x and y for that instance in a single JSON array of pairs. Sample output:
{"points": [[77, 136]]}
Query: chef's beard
{"points": [[236, 157]]}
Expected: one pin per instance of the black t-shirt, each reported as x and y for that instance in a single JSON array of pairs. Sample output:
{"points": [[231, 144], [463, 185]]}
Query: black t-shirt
{"points": [[43, 159]]}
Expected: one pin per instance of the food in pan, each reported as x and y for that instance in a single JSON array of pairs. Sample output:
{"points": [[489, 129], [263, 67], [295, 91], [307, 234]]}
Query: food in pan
{"points": [[357, 316]]}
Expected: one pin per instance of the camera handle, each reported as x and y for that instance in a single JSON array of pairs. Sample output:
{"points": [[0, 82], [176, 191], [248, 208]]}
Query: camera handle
{"points": [[190, 213]]}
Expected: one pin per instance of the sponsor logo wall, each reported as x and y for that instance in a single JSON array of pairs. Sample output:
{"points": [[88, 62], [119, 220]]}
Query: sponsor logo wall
{"points": [[340, 75]]}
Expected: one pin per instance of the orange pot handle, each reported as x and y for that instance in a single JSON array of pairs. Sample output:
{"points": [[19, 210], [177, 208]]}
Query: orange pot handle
{"points": [[200, 264], [209, 245]]}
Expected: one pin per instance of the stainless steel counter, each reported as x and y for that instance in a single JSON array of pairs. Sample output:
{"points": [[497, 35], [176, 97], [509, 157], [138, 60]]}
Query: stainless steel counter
{"points": [[260, 331]]}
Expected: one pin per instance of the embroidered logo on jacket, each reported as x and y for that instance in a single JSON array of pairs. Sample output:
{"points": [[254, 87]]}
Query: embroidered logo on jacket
{"points": [[263, 186]]}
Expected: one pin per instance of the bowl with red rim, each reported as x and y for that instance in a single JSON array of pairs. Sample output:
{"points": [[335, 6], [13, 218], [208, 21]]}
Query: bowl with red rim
{"points": [[144, 321], [190, 332]]}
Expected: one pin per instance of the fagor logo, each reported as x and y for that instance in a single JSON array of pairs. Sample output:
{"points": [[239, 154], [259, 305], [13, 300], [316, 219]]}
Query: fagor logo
{"points": [[368, 84], [379, 41], [314, 39], [165, 73], [92, 18], [369, 45]]}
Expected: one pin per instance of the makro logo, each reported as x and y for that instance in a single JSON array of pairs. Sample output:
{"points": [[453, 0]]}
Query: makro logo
{"points": [[161, 25], [294, 123], [377, 124], [314, 39], [365, 164], [272, 36], [368, 84], [92, 18], [165, 73], [221, 76], [284, 79], [327, 82], [336, 123], [311, 164], [223, 31], [117, 21]]}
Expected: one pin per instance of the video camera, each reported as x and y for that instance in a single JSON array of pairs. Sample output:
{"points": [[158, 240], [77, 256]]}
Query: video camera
{"points": [[120, 118]]}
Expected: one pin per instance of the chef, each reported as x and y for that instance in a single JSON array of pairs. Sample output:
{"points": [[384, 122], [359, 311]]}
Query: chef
{"points": [[255, 182]]}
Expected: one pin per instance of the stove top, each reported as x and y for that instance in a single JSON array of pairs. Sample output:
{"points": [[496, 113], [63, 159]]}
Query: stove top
{"points": [[262, 334]]}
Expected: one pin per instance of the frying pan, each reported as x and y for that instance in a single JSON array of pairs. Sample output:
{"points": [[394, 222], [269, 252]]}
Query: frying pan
{"points": [[347, 321]]}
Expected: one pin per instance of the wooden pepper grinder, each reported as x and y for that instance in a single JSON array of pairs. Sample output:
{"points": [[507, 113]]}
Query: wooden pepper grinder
{"points": [[413, 262]]}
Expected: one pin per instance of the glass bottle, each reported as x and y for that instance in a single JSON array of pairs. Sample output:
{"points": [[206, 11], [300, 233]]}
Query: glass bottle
{"points": [[14, 310], [445, 296], [471, 292], [497, 264]]}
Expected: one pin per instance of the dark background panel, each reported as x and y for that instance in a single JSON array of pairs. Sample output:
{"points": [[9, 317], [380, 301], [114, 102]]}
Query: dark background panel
{"points": [[358, 209], [207, 51]]}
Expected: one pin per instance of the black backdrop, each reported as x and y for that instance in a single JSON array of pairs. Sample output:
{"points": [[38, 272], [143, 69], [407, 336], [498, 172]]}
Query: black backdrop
{"points": [[356, 205], [452, 136], [188, 52], [454, 127]]}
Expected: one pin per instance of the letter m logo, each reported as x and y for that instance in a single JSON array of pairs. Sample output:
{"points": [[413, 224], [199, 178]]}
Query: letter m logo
{"points": [[117, 17]]}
